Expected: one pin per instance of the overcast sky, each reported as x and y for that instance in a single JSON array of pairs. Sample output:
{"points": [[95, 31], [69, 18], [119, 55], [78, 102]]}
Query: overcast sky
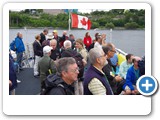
{"points": [[89, 10], [80, 10]]}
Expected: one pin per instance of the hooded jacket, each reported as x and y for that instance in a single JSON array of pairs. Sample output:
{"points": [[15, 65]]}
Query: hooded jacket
{"points": [[56, 86]]}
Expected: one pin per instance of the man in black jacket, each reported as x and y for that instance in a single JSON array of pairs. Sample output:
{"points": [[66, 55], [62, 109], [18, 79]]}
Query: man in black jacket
{"points": [[43, 35], [61, 83], [113, 79], [55, 53]]}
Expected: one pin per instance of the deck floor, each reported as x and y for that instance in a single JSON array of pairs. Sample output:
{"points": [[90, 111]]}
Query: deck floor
{"points": [[29, 85]]}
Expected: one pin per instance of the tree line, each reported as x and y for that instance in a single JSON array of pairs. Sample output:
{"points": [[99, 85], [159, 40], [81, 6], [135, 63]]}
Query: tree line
{"points": [[115, 18]]}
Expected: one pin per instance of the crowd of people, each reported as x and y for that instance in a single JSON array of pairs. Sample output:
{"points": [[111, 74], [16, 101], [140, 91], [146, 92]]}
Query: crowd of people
{"points": [[88, 66]]}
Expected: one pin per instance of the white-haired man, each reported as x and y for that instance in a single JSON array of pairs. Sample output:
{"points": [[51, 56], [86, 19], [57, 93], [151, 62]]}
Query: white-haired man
{"points": [[68, 52], [95, 81], [55, 53], [20, 48]]}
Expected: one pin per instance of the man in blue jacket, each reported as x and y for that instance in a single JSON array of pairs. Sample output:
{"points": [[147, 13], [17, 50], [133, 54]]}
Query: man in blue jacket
{"points": [[19, 49], [133, 74]]}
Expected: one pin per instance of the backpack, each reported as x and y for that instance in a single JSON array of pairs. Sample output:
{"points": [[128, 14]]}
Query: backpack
{"points": [[13, 45], [79, 62], [47, 89], [121, 58], [49, 72], [45, 42]]}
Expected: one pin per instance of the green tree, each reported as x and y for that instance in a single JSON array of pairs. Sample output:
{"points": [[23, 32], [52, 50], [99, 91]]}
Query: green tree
{"points": [[131, 25], [14, 19], [94, 25], [109, 25], [130, 19], [119, 22], [117, 11]]}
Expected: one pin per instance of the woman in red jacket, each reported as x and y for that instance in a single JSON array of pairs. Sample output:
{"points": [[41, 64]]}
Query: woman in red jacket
{"points": [[87, 40]]}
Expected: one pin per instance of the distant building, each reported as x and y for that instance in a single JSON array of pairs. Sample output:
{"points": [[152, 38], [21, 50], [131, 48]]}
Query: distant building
{"points": [[53, 11]]}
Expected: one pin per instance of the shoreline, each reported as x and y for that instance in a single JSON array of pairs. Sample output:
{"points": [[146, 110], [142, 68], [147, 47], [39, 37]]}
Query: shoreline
{"points": [[116, 28]]}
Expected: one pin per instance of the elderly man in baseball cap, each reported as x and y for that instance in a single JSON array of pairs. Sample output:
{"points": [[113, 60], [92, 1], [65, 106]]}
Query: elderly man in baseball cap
{"points": [[46, 65]]}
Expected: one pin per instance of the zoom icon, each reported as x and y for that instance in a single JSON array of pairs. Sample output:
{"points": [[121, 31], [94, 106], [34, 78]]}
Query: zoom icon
{"points": [[147, 85]]}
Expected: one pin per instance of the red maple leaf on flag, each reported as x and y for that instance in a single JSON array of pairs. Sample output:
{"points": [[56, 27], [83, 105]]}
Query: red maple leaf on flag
{"points": [[84, 22]]}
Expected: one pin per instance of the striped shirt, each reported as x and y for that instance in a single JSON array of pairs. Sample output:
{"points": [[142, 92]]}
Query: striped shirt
{"points": [[96, 87]]}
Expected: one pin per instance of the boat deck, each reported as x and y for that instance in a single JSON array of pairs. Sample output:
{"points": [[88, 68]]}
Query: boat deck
{"points": [[29, 85]]}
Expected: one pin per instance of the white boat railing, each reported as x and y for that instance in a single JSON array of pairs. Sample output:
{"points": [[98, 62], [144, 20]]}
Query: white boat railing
{"points": [[121, 52], [28, 56]]}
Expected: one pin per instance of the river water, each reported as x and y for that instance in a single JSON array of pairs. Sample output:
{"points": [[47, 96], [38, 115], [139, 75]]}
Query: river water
{"points": [[130, 41]]}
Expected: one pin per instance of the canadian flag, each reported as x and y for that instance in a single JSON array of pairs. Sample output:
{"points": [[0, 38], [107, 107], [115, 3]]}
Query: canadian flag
{"points": [[80, 21]]}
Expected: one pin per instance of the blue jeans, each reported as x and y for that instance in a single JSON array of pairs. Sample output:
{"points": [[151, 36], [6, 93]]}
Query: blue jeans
{"points": [[19, 59]]}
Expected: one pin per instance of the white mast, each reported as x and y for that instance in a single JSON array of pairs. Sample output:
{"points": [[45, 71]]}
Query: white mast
{"points": [[110, 35], [69, 21]]}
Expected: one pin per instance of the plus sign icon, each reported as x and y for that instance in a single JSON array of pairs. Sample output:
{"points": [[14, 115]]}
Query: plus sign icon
{"points": [[147, 85]]}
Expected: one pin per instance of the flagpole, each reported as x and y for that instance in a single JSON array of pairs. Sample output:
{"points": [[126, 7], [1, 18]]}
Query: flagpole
{"points": [[110, 35], [69, 28]]}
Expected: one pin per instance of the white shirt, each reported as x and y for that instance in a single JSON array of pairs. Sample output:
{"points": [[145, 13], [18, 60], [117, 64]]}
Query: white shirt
{"points": [[96, 87], [97, 45]]}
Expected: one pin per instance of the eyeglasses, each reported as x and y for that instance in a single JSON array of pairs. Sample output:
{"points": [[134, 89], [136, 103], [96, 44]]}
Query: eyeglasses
{"points": [[113, 51], [74, 70], [103, 55]]}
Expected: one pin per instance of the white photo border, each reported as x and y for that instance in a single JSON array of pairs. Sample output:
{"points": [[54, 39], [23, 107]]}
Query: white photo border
{"points": [[75, 105]]}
